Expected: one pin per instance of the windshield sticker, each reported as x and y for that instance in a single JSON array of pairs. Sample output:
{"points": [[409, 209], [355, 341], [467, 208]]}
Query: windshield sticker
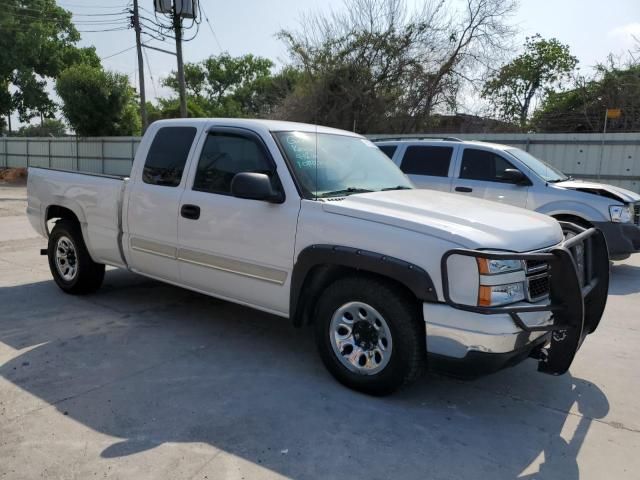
{"points": [[304, 155]]}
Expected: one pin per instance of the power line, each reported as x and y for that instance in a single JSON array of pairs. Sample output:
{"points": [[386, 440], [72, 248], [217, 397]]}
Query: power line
{"points": [[97, 14], [215, 37], [118, 53], [153, 82], [50, 20], [106, 30], [106, 7], [160, 39], [37, 11]]}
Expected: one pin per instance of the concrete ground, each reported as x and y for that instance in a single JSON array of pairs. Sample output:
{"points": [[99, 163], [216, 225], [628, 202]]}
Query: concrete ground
{"points": [[147, 381]]}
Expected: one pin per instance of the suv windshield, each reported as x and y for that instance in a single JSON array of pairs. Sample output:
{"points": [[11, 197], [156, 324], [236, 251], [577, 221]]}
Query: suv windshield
{"points": [[540, 168], [330, 165]]}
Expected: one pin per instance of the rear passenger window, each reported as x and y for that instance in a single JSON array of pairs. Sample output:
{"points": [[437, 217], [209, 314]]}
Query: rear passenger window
{"points": [[483, 165], [223, 156], [168, 155], [388, 150], [427, 160]]}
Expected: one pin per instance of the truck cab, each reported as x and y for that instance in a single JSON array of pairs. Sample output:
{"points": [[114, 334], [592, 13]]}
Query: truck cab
{"points": [[317, 225]]}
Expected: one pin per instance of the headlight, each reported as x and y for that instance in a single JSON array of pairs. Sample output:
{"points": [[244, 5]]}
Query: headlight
{"points": [[491, 267], [493, 290], [483, 282], [493, 295], [620, 213]]}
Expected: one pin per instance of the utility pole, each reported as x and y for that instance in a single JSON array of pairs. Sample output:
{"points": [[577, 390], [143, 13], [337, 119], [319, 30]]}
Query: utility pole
{"points": [[143, 96], [177, 28]]}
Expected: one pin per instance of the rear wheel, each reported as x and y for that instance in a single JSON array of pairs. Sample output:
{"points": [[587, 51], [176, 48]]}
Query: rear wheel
{"points": [[369, 335], [69, 261]]}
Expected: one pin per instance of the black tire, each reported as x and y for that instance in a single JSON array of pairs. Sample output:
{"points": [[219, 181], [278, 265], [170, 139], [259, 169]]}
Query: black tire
{"points": [[88, 275], [407, 360]]}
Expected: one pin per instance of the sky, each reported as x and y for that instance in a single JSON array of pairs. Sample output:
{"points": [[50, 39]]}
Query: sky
{"points": [[591, 28]]}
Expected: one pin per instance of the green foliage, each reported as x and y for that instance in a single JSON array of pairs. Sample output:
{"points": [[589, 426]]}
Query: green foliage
{"points": [[170, 108], [226, 86], [51, 127], [264, 96], [582, 108], [98, 102], [37, 42], [543, 66]]}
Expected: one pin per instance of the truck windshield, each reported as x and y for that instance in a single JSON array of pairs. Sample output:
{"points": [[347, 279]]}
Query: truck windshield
{"points": [[540, 168], [330, 165]]}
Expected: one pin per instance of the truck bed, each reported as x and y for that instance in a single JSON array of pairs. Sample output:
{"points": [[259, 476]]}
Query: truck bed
{"points": [[95, 199]]}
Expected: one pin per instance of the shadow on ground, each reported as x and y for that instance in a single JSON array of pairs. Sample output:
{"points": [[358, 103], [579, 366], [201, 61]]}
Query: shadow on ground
{"points": [[149, 363], [625, 279]]}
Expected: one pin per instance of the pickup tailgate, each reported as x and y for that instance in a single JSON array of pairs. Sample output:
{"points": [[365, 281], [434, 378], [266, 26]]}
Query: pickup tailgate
{"points": [[95, 200]]}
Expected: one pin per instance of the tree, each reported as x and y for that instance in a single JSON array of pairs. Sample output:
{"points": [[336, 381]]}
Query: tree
{"points": [[582, 108], [50, 127], [542, 67], [170, 108], [264, 97], [378, 66], [226, 86], [98, 102], [37, 43]]}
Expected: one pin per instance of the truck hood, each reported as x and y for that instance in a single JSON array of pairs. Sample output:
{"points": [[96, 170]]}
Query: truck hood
{"points": [[601, 189], [467, 222]]}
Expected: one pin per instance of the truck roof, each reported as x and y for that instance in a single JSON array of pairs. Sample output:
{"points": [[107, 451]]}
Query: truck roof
{"points": [[256, 124]]}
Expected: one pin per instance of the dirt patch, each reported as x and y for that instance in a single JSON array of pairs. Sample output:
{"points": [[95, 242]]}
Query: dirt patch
{"points": [[13, 175]]}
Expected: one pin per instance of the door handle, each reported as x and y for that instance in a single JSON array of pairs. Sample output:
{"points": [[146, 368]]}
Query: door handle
{"points": [[192, 212], [464, 189]]}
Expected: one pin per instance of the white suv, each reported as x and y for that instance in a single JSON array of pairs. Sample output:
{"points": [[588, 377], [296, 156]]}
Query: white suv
{"points": [[506, 174]]}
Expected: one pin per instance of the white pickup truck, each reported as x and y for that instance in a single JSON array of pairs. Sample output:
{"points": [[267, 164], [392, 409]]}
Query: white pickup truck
{"points": [[318, 225]]}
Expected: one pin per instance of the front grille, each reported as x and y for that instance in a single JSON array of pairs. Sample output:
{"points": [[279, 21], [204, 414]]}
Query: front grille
{"points": [[537, 272], [538, 287], [535, 266], [636, 213]]}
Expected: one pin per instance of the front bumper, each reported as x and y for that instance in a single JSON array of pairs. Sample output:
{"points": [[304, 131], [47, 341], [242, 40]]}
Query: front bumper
{"points": [[623, 239], [572, 311], [466, 344], [454, 333]]}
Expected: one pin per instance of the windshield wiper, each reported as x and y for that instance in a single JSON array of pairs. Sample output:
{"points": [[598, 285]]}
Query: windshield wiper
{"points": [[398, 187], [345, 191]]}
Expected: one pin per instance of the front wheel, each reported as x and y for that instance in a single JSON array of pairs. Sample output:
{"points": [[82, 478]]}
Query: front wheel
{"points": [[369, 335], [72, 267]]}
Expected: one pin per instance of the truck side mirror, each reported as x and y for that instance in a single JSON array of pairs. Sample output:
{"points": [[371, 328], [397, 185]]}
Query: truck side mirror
{"points": [[513, 175], [255, 186]]}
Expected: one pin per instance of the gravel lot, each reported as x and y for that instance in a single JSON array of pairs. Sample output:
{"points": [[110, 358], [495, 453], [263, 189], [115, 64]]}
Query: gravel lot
{"points": [[144, 380]]}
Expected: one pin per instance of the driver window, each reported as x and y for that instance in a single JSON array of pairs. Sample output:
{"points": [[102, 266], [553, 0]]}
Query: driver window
{"points": [[484, 165], [223, 156]]}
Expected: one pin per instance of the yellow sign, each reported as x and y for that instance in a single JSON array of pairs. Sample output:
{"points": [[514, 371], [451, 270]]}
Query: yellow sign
{"points": [[614, 112]]}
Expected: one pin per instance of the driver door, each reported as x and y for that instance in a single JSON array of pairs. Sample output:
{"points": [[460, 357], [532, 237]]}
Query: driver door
{"points": [[231, 247], [481, 174]]}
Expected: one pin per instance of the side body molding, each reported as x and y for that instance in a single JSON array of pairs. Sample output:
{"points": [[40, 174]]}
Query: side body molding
{"points": [[325, 259]]}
